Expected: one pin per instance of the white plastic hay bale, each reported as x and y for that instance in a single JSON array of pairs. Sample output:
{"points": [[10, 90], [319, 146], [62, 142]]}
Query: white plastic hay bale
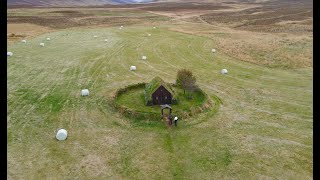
{"points": [[42, 44], [62, 135], [9, 53], [106, 40], [144, 57], [24, 41], [48, 39], [213, 50], [84, 92], [224, 71], [133, 68], [154, 27], [149, 34], [95, 36]]}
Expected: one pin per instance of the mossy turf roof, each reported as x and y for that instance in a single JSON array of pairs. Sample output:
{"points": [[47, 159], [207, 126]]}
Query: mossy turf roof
{"points": [[154, 84]]}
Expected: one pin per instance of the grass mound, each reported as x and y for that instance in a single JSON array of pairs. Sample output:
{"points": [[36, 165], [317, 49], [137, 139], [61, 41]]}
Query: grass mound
{"points": [[130, 101]]}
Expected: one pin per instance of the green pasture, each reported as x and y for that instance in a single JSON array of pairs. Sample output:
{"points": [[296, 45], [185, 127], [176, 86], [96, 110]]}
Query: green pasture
{"points": [[263, 128]]}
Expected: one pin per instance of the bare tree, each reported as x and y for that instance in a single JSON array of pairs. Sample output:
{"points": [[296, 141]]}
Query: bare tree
{"points": [[186, 80]]}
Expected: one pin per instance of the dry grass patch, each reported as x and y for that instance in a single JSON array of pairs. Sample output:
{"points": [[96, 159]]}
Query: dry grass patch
{"points": [[18, 31]]}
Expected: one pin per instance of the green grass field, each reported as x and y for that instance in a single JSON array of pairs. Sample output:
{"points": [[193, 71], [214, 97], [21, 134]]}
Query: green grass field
{"points": [[262, 130]]}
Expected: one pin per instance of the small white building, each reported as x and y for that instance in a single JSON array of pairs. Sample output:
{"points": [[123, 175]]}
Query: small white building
{"points": [[62, 135], [84, 92], [133, 68], [144, 57], [9, 53]]}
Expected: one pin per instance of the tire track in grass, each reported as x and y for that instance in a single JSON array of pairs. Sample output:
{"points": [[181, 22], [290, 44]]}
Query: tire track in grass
{"points": [[83, 67], [261, 84], [254, 67], [153, 49], [282, 98], [235, 101], [25, 94], [177, 53], [69, 82], [162, 55], [27, 120], [75, 75], [153, 68], [52, 89], [139, 45], [292, 103], [107, 54], [112, 53], [123, 65]]}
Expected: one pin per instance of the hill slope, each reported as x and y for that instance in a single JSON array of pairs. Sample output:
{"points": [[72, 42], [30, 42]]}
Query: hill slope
{"points": [[71, 2]]}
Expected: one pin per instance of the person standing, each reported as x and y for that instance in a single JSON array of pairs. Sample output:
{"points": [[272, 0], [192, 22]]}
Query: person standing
{"points": [[170, 120], [175, 121]]}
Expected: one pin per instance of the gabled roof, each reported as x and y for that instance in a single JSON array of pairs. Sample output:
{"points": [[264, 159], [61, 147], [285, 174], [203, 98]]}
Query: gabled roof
{"points": [[154, 84]]}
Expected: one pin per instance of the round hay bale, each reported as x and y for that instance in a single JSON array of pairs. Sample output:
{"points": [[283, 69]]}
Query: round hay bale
{"points": [[42, 44], [213, 50], [175, 118], [62, 135], [24, 41], [95, 36], [84, 92], [133, 68], [144, 57], [154, 27], [9, 53], [224, 71], [48, 39], [149, 34], [106, 40]]}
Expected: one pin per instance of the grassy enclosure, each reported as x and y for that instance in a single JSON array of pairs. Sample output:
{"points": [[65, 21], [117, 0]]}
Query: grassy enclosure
{"points": [[260, 125], [133, 100]]}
